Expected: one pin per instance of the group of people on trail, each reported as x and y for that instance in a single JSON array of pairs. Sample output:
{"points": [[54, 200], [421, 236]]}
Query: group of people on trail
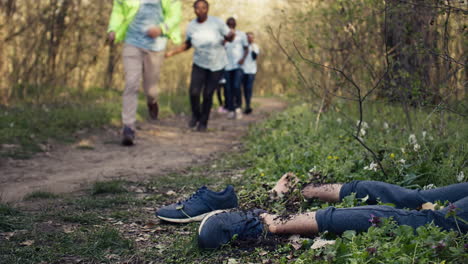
{"points": [[221, 53]]}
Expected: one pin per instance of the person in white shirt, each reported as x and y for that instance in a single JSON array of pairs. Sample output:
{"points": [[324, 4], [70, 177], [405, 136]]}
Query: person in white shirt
{"points": [[236, 54], [250, 70], [207, 35]]}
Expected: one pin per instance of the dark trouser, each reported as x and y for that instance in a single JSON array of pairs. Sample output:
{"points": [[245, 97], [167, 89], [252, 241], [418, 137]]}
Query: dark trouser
{"points": [[357, 218], [232, 89], [220, 89], [248, 82], [205, 81]]}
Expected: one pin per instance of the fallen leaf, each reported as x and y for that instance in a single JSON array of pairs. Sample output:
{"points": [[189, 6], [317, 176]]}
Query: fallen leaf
{"points": [[150, 225], [85, 144], [27, 243], [320, 243], [296, 241], [9, 235], [232, 261]]}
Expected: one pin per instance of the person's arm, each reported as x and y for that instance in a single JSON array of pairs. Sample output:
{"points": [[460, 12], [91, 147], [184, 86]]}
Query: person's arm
{"points": [[116, 19], [172, 10], [185, 46], [255, 52], [245, 43]]}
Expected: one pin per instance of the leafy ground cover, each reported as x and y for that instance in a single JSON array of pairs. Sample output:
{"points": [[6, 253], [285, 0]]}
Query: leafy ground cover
{"points": [[113, 222]]}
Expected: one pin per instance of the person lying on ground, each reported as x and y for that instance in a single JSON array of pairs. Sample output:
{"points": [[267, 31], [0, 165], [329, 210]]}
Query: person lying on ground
{"points": [[219, 227]]}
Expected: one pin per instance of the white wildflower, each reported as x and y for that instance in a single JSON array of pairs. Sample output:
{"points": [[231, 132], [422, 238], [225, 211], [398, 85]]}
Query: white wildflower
{"points": [[424, 133], [402, 161], [386, 126], [412, 139], [460, 176], [362, 132], [403, 150], [371, 167], [314, 169], [339, 120], [429, 187], [417, 147], [363, 124]]}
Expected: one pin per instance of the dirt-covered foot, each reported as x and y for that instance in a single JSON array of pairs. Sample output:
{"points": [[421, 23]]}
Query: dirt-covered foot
{"points": [[285, 185]]}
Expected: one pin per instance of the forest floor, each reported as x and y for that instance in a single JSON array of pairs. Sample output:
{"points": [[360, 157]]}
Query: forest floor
{"points": [[162, 147]]}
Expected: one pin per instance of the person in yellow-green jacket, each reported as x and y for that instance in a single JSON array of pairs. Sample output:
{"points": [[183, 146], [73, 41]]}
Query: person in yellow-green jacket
{"points": [[144, 26]]}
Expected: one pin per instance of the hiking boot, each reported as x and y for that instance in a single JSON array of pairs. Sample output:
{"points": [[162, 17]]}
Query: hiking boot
{"points": [[248, 111], [193, 122], [195, 208], [153, 110], [128, 136], [218, 228]]}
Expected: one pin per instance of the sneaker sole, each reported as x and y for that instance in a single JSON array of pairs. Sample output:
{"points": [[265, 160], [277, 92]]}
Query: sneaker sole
{"points": [[197, 218], [208, 215]]}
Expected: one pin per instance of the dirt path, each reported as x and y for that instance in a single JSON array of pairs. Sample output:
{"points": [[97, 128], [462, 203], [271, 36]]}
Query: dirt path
{"points": [[163, 147]]}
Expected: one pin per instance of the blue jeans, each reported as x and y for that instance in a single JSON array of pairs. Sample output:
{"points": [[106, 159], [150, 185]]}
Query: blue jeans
{"points": [[357, 218], [248, 82], [232, 89]]}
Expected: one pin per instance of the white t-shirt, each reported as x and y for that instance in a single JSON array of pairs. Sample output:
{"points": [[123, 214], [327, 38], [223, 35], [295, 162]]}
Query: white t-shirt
{"points": [[250, 65], [235, 50], [207, 40]]}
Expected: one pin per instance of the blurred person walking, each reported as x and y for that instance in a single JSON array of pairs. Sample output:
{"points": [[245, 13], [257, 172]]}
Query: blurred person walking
{"points": [[250, 70], [236, 53], [144, 26], [207, 35]]}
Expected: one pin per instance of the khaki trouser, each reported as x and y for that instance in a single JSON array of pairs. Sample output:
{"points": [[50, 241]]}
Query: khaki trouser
{"points": [[139, 62]]}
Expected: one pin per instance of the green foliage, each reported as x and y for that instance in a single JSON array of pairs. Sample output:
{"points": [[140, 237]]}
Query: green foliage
{"points": [[41, 195], [109, 187], [434, 153], [290, 143], [390, 243], [95, 245], [8, 218]]}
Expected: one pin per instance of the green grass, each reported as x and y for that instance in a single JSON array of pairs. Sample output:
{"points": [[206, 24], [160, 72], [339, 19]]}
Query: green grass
{"points": [[109, 187], [41, 195], [95, 245]]}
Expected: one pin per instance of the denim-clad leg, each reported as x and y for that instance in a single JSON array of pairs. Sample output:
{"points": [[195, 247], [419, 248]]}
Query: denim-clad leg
{"points": [[236, 87], [228, 93], [339, 220], [248, 82], [401, 197]]}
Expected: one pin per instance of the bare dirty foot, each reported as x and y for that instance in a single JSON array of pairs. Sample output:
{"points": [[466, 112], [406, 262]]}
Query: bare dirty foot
{"points": [[160, 147], [285, 184]]}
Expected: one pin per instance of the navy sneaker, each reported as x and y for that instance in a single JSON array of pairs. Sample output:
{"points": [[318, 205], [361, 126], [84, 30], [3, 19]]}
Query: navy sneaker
{"points": [[195, 208], [218, 228], [128, 136]]}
